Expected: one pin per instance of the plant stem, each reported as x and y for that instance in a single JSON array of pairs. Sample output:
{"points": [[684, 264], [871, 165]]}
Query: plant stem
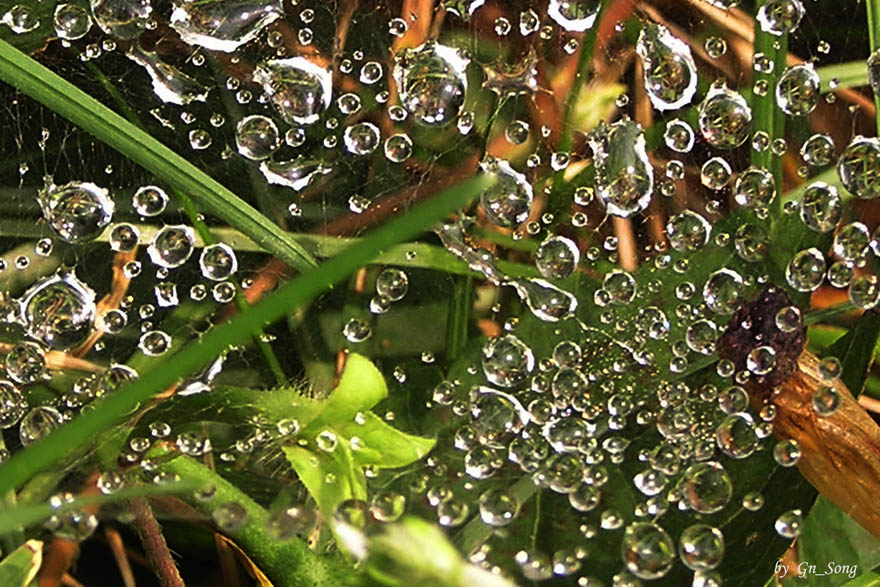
{"points": [[766, 116], [43, 85], [459, 316], [167, 370], [873, 8], [154, 544], [287, 562]]}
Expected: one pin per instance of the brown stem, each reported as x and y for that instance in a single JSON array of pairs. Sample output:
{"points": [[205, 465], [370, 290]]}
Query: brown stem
{"points": [[154, 544], [840, 452]]}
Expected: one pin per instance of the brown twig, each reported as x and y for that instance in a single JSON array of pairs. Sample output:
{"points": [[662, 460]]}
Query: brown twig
{"points": [[114, 541], [154, 544]]}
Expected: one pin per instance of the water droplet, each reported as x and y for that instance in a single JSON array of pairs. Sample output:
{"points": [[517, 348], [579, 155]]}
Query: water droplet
{"points": [[779, 17], [725, 118], [789, 524], [296, 174], [826, 400], [498, 507], [169, 83], [624, 177], [723, 291], [669, 70], [557, 257], [797, 91], [361, 138], [688, 231], [431, 82], [58, 311], [806, 270], [754, 188], [298, 89], [223, 25], [230, 517], [76, 211], [679, 136], [218, 262], [706, 487], [736, 436], [508, 200], [859, 167], [123, 19], [26, 363], [12, 404], [647, 550], [821, 207], [71, 22], [149, 201], [38, 423], [392, 284], [546, 301], [172, 246], [256, 137], [356, 330], [507, 361]]}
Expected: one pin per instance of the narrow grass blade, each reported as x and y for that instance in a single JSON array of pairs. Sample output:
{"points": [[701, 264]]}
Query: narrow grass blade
{"points": [[168, 370], [43, 85]]}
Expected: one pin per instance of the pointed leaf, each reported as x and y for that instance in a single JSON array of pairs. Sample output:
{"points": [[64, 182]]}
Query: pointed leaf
{"points": [[360, 388], [384, 445]]}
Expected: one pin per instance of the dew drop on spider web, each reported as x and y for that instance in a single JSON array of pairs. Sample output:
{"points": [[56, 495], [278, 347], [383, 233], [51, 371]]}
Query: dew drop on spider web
{"points": [[647, 550], [71, 22], [431, 82], [256, 137], [77, 211], [725, 118], [222, 26], [123, 19], [669, 71], [38, 423], [58, 311], [12, 404], [26, 363]]}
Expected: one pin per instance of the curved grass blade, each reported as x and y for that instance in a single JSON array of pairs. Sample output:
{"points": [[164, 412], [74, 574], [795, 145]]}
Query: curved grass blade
{"points": [[45, 86], [170, 369]]}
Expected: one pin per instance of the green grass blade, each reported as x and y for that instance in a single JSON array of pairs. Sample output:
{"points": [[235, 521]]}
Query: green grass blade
{"points": [[28, 515], [766, 116], [43, 85], [873, 8], [845, 75], [168, 370]]}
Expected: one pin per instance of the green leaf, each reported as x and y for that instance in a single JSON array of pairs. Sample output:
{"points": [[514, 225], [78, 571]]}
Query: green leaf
{"points": [[45, 86], [20, 567], [360, 388], [416, 552], [831, 536], [384, 445], [855, 350], [330, 477]]}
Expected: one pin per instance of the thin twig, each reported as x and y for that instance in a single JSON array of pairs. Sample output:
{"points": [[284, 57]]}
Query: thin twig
{"points": [[114, 541], [154, 544]]}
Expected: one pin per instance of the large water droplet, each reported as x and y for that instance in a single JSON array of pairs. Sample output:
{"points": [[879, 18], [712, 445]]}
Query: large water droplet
{"points": [[256, 137], [859, 167], [508, 200], [779, 17], [77, 211], [58, 311], [725, 118], [624, 177], [647, 550], [223, 25], [797, 91], [669, 70], [169, 83], [701, 547], [71, 22], [546, 301], [38, 423], [298, 89], [123, 19], [507, 361], [706, 487], [431, 82], [172, 246]]}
